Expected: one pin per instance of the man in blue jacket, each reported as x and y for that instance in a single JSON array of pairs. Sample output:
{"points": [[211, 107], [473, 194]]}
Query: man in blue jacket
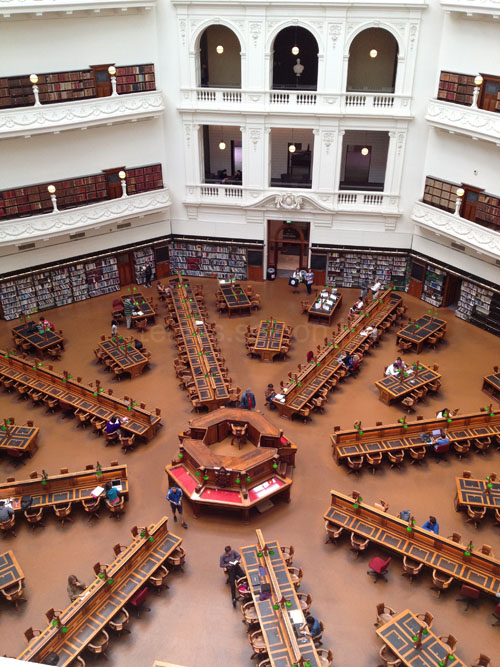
{"points": [[174, 497], [248, 400]]}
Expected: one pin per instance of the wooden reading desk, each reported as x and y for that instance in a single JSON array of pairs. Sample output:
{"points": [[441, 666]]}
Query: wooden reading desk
{"points": [[64, 488], [396, 387], [19, 438], [477, 494], [236, 298], [404, 435], [303, 387], [39, 341], [87, 616], [418, 331], [128, 357], [140, 422], [415, 644], [10, 571], [211, 386], [422, 546], [269, 339], [491, 385], [323, 308], [286, 646], [140, 304]]}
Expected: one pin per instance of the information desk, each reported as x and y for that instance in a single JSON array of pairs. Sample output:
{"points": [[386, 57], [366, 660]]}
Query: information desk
{"points": [[306, 384], [40, 341], [477, 494], [236, 299], [211, 386], [19, 438], [141, 304], [418, 331], [86, 617], [396, 387], [140, 422], [237, 482], [420, 545], [404, 635], [10, 571], [323, 309], [269, 339], [404, 435], [72, 487], [123, 353], [286, 645], [491, 385]]}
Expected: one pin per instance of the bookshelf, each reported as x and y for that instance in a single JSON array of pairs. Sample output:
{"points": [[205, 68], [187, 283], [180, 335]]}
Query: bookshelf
{"points": [[44, 292], [53, 87], [9, 299], [142, 257], [350, 269], [61, 287], [79, 285], [434, 286], [205, 259], [473, 298], [144, 179], [26, 296], [440, 194], [456, 88], [488, 211], [102, 276]]}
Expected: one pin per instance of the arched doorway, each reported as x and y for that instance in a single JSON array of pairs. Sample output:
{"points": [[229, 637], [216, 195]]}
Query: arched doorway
{"points": [[295, 60], [220, 59], [373, 62], [288, 246]]}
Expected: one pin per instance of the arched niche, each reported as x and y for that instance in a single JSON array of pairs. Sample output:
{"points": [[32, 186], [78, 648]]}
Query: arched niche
{"points": [[373, 61], [295, 71], [220, 59]]}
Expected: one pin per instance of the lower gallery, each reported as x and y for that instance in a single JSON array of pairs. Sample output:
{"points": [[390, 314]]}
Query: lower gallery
{"points": [[193, 622]]}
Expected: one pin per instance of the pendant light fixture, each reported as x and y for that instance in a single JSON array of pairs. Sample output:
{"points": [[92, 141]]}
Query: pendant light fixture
{"points": [[365, 150], [373, 53], [219, 49], [295, 48], [291, 147], [222, 143]]}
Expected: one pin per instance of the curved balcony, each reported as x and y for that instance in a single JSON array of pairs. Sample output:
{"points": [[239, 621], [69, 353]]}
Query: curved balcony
{"points": [[461, 119], [481, 239], [26, 121], [91, 216], [13, 8]]}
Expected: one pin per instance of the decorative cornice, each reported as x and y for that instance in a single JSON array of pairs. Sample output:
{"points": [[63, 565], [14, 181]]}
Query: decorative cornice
{"points": [[10, 8], [481, 239], [475, 123], [26, 121], [81, 218], [470, 7]]}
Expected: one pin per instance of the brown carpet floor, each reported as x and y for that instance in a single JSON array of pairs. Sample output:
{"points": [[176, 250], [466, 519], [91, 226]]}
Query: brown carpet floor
{"points": [[193, 624]]}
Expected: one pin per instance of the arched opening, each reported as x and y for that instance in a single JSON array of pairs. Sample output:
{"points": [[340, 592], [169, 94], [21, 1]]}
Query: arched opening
{"points": [[222, 155], [373, 62], [220, 59], [295, 60], [288, 245]]}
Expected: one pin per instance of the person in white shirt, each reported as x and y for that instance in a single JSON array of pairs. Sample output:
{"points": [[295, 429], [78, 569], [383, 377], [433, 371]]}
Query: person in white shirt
{"points": [[376, 288]]}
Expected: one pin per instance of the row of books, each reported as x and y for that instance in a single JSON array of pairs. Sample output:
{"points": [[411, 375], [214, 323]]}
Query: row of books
{"points": [[473, 299], [347, 269], [203, 259]]}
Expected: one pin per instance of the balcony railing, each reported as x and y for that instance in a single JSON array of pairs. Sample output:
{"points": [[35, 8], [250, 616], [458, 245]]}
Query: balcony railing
{"points": [[283, 197], [21, 230], [40, 7], [479, 238], [463, 119], [59, 116], [470, 7], [363, 104]]}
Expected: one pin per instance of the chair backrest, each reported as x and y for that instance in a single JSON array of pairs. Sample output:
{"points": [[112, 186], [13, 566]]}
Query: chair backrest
{"points": [[467, 474], [486, 549], [470, 591], [484, 660], [386, 563], [139, 597]]}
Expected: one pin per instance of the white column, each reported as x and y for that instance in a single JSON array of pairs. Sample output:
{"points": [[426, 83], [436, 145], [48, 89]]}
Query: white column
{"points": [[337, 151], [395, 155], [325, 140]]}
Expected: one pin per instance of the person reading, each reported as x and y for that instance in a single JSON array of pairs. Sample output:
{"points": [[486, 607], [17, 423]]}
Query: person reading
{"points": [[230, 562], [75, 588], [432, 525]]}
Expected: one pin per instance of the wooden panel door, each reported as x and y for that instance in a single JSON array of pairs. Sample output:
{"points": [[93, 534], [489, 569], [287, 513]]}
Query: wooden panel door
{"points": [[470, 203], [125, 268], [102, 80], [417, 277], [113, 182], [489, 93], [162, 270]]}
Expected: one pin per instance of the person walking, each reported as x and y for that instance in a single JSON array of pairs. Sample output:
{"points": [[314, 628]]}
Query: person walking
{"points": [[248, 400], [309, 280], [128, 308], [174, 497], [148, 272]]}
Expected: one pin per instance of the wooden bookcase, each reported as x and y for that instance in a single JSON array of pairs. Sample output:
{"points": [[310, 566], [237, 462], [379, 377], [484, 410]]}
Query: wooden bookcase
{"points": [[135, 78], [143, 179], [456, 88], [441, 194], [488, 211], [351, 269]]}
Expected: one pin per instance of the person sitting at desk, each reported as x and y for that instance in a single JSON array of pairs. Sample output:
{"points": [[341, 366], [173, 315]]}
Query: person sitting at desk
{"points": [[75, 588], [356, 308], [442, 443], [348, 361], [431, 525], [5, 512], [311, 627], [112, 495], [269, 394], [230, 562], [396, 367], [45, 324], [443, 414], [113, 426], [374, 334], [376, 288]]}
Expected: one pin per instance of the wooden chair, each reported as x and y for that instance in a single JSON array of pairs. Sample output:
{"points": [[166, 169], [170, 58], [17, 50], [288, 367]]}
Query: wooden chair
{"points": [[426, 618], [325, 657], [157, 579], [440, 581], [117, 509], [482, 661], [239, 434], [119, 622], [141, 325], [250, 616], [127, 443], [333, 532], [14, 594], [35, 517], [417, 455], [456, 537], [98, 424], [110, 437], [450, 640], [389, 658], [258, 643], [474, 515], [177, 558], [355, 464], [409, 402], [487, 550], [63, 512], [358, 544], [411, 568], [396, 458], [384, 614], [31, 633], [83, 417], [99, 644], [54, 352], [461, 448], [51, 403], [482, 445], [7, 527], [305, 305], [305, 601], [288, 553], [52, 614], [91, 506], [296, 575], [374, 461]]}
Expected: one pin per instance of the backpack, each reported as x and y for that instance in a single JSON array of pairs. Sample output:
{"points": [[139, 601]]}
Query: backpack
{"points": [[26, 502], [405, 515]]}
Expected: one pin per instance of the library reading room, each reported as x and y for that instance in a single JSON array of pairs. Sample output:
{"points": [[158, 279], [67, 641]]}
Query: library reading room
{"points": [[250, 333]]}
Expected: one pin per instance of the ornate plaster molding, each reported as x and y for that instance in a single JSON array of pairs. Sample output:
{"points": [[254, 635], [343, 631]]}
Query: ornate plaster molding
{"points": [[26, 121], [288, 200], [471, 7], [475, 123], [78, 219], [41, 7], [481, 239]]}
